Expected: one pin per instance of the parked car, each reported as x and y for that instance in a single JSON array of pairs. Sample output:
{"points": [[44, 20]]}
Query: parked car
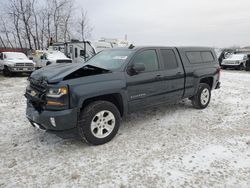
{"points": [[15, 62], [52, 57], [248, 63], [92, 97], [236, 61]]}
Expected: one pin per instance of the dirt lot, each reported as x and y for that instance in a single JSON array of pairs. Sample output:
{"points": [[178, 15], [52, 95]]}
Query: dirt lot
{"points": [[169, 146]]}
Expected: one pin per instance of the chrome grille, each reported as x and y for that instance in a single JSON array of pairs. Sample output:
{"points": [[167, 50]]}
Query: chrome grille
{"points": [[29, 64], [19, 64]]}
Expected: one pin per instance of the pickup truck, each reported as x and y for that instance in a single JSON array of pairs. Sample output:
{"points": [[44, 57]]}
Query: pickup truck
{"points": [[51, 57], [15, 62], [236, 61], [92, 97]]}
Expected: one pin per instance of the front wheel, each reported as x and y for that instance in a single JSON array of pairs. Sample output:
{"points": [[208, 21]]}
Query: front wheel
{"points": [[99, 122], [202, 97], [7, 72]]}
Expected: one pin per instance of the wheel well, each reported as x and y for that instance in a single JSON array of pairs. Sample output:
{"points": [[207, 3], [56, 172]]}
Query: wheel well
{"points": [[115, 98], [208, 80]]}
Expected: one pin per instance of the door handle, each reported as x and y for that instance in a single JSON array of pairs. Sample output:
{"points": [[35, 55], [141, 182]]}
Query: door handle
{"points": [[178, 73], [158, 77]]}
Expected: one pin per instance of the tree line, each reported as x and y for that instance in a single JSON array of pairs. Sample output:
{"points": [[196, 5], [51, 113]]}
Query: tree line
{"points": [[34, 24]]}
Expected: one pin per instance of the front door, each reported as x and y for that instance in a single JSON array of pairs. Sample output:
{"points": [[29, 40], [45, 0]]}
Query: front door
{"points": [[145, 88]]}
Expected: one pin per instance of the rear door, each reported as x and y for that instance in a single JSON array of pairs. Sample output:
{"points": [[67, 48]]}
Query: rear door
{"points": [[145, 88], [172, 74]]}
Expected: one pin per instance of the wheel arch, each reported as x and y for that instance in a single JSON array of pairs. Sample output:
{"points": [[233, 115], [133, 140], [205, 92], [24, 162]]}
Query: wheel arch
{"points": [[115, 98]]}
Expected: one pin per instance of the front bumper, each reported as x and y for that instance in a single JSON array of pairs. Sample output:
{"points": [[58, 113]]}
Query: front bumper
{"points": [[64, 120]]}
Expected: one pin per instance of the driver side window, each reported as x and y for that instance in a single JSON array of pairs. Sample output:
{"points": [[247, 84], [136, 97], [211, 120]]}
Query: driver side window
{"points": [[149, 59]]}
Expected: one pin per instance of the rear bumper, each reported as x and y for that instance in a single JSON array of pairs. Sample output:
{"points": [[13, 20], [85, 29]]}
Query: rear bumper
{"points": [[52, 120]]}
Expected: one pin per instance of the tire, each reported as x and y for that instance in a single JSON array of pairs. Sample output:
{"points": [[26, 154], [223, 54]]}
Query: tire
{"points": [[6, 72], [95, 120], [202, 97], [240, 67]]}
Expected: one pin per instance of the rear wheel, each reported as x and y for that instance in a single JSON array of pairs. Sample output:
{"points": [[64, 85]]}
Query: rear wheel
{"points": [[202, 97], [99, 122]]}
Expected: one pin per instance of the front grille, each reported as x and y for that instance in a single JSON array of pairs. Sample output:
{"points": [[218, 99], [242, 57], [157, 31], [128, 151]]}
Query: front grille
{"points": [[24, 65], [19, 64], [39, 99], [29, 64], [38, 85]]}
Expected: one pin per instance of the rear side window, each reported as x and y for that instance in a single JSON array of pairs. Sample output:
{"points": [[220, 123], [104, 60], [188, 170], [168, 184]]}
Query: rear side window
{"points": [[200, 57], [149, 59], [169, 59], [194, 57], [207, 56]]}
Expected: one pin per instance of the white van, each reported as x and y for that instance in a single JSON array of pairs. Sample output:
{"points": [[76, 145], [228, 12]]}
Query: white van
{"points": [[14, 62]]}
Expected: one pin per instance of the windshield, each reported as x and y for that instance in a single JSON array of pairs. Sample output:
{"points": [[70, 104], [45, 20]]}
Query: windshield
{"points": [[110, 59], [10, 55]]}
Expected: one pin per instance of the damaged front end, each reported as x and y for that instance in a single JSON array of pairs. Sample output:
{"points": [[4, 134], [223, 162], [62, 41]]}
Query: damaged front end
{"points": [[48, 106]]}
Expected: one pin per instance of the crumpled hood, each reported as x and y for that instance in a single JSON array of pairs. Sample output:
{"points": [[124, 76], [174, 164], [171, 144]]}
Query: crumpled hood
{"points": [[56, 72]]}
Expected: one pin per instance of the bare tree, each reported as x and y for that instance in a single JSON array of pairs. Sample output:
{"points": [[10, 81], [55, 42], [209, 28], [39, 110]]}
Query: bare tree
{"points": [[33, 24], [14, 12], [85, 28], [26, 14], [3, 44], [6, 31]]}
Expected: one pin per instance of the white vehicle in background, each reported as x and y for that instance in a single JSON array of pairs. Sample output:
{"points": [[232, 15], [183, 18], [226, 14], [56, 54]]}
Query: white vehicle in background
{"points": [[236, 61], [51, 57], [15, 62], [81, 51]]}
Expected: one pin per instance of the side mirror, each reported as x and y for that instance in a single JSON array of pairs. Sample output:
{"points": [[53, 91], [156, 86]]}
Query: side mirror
{"points": [[136, 68], [41, 57], [30, 58]]}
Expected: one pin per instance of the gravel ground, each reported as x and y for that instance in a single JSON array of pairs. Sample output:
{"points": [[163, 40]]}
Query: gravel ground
{"points": [[168, 146]]}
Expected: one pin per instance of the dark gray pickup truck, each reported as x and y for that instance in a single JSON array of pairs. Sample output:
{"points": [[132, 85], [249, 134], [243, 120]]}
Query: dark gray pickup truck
{"points": [[92, 97]]}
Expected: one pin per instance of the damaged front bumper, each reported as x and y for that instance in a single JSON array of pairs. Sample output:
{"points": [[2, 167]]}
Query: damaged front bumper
{"points": [[52, 120]]}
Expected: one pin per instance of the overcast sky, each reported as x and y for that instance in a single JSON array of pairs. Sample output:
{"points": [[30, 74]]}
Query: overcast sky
{"points": [[218, 23]]}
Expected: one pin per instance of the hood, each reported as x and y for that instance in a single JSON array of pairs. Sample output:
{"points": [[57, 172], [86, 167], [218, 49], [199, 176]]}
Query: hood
{"points": [[237, 57], [19, 61], [64, 71]]}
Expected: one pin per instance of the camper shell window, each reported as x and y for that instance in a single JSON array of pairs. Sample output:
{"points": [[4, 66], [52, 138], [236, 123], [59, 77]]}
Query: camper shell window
{"points": [[200, 57]]}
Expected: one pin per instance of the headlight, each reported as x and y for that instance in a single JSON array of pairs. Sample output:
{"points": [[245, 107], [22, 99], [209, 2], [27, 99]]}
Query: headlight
{"points": [[237, 62], [57, 92]]}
